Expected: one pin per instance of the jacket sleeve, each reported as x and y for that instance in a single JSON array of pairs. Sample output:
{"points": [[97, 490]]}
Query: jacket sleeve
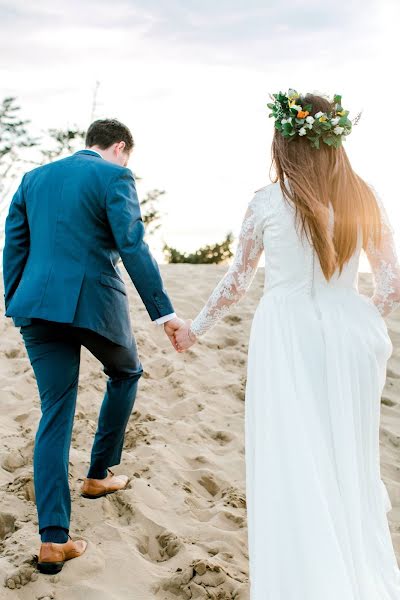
{"points": [[125, 219], [16, 245]]}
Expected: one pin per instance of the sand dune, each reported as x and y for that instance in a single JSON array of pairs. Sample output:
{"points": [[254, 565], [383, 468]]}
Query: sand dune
{"points": [[179, 529]]}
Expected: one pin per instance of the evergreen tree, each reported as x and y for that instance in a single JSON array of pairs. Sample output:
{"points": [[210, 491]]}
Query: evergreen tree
{"points": [[210, 254]]}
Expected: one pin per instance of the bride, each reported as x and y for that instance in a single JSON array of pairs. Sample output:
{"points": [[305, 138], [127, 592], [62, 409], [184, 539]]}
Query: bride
{"points": [[318, 350]]}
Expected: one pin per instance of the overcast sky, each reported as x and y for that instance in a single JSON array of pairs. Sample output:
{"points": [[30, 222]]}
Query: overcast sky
{"points": [[192, 78]]}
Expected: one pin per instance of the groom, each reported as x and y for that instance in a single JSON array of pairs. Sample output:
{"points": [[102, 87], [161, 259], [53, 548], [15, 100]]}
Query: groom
{"points": [[69, 223]]}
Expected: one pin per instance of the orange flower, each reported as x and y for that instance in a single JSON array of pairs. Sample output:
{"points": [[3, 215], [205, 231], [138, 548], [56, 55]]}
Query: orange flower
{"points": [[302, 114]]}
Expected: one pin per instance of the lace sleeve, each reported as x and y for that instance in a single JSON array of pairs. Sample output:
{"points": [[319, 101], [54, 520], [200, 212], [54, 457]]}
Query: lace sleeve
{"points": [[385, 267], [238, 278]]}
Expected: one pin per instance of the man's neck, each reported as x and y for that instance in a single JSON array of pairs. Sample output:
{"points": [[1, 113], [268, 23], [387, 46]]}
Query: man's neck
{"points": [[96, 149]]}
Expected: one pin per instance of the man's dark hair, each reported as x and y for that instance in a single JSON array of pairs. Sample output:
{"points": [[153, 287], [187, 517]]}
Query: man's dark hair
{"points": [[106, 132]]}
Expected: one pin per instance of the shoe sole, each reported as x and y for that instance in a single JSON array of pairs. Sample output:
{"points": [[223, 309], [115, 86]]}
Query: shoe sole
{"points": [[50, 568]]}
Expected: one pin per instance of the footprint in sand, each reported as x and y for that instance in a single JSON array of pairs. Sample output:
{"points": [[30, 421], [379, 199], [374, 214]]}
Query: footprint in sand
{"points": [[136, 434], [209, 482], [202, 513], [201, 459], [233, 497], [237, 390], [169, 544], [232, 319], [178, 384], [7, 524], [238, 520], [15, 352], [160, 547], [18, 458], [229, 342], [119, 504], [159, 369], [233, 361], [388, 402], [13, 461], [221, 436], [23, 487], [22, 575], [202, 579], [149, 417]]}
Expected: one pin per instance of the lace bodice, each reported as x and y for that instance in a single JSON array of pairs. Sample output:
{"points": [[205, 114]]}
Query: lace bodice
{"points": [[265, 211]]}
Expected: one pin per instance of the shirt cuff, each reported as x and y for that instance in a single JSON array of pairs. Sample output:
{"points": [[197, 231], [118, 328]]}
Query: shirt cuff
{"points": [[165, 318]]}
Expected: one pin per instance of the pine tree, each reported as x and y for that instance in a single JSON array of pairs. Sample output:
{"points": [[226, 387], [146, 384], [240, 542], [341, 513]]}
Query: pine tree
{"points": [[210, 254]]}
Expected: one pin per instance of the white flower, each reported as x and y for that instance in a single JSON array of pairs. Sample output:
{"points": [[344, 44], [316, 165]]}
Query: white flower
{"points": [[335, 121], [284, 121], [302, 131], [309, 125], [310, 120], [338, 130], [297, 107], [319, 114]]}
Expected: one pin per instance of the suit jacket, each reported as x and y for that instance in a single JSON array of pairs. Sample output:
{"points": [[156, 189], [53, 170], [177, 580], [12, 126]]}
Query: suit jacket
{"points": [[69, 223]]}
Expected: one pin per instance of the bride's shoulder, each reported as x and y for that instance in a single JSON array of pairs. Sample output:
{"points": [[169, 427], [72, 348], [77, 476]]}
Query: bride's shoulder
{"points": [[259, 205], [262, 196], [264, 192], [267, 202], [266, 189]]}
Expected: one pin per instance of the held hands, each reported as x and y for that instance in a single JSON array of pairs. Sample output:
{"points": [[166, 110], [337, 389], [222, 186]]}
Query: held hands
{"points": [[179, 334], [184, 338], [170, 327]]}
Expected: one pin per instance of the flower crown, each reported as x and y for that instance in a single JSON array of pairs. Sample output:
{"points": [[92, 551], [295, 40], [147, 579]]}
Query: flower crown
{"points": [[291, 119]]}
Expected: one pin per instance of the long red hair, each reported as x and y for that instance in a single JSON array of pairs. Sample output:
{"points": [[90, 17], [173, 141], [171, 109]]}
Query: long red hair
{"points": [[317, 177]]}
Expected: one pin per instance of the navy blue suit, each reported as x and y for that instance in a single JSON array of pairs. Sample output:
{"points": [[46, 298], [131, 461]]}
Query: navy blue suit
{"points": [[68, 224]]}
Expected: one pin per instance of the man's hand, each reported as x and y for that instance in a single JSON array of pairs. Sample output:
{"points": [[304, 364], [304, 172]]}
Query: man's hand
{"points": [[184, 338], [170, 327]]}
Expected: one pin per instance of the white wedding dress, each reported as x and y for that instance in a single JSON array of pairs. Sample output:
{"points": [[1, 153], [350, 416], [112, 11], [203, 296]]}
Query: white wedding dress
{"points": [[316, 503]]}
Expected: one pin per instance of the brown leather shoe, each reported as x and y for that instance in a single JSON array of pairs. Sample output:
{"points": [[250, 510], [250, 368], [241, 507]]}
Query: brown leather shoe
{"points": [[95, 488], [53, 555]]}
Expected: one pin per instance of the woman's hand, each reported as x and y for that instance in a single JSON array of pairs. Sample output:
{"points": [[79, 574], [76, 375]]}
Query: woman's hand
{"points": [[184, 337]]}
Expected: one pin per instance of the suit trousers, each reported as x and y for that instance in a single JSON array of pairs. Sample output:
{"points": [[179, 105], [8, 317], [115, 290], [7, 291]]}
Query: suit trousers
{"points": [[54, 352]]}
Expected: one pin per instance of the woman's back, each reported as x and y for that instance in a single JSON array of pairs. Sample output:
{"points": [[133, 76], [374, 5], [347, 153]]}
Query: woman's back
{"points": [[292, 265], [290, 262]]}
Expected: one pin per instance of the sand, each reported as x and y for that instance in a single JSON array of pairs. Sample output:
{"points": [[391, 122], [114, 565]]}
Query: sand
{"points": [[179, 530]]}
